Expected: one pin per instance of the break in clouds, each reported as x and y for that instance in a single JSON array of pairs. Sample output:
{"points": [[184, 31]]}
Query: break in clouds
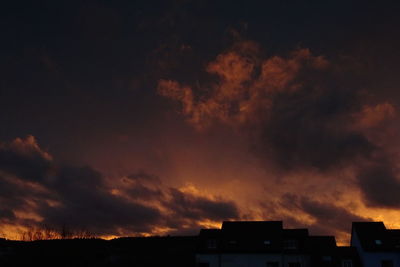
{"points": [[300, 113]]}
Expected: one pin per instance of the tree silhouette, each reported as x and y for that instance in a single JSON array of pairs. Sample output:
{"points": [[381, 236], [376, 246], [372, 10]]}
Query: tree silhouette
{"points": [[45, 232]]}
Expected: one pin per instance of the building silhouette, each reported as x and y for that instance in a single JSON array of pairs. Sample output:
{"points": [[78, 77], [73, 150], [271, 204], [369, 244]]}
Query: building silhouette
{"points": [[235, 244], [376, 245], [267, 244]]}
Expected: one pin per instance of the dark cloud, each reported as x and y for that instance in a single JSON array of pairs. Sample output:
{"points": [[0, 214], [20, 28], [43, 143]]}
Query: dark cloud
{"points": [[143, 185], [298, 109], [201, 208], [142, 175], [379, 184], [24, 159], [300, 113], [7, 214], [328, 218], [86, 202], [320, 216], [140, 191], [309, 128], [13, 198], [80, 197], [23, 171]]}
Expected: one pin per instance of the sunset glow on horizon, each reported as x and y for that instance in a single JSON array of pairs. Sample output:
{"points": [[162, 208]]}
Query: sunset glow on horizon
{"points": [[130, 118]]}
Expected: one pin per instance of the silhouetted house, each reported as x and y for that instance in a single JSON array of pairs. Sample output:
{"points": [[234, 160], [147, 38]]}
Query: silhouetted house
{"points": [[323, 251], [376, 245], [267, 244]]}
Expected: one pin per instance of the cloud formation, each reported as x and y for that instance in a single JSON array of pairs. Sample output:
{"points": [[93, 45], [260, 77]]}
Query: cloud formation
{"points": [[296, 112], [35, 192], [380, 184], [299, 113], [246, 86]]}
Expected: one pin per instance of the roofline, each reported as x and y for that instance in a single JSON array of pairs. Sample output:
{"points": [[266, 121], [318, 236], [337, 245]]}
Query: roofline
{"points": [[259, 221]]}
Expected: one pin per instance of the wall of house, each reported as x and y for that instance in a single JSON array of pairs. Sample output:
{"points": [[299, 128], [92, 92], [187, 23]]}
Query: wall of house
{"points": [[374, 259], [250, 260], [212, 259]]}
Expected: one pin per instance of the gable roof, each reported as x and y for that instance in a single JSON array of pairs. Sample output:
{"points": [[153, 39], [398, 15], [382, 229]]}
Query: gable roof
{"points": [[262, 237], [295, 233], [258, 228], [210, 233], [320, 244], [374, 236]]}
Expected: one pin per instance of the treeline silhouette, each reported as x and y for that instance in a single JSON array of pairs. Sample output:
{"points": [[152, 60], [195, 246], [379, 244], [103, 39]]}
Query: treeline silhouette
{"points": [[47, 246], [45, 232]]}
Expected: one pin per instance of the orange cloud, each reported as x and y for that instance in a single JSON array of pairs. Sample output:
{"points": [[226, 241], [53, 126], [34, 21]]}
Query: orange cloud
{"points": [[245, 87], [305, 118], [34, 193], [27, 146], [372, 116]]}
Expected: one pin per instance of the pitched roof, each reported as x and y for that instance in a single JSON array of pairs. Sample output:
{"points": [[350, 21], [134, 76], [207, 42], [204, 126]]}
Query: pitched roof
{"points": [[320, 244], [210, 233], [261, 237], [295, 233], [252, 227], [374, 236]]}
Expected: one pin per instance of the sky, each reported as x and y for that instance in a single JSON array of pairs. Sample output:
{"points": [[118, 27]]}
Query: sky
{"points": [[164, 117]]}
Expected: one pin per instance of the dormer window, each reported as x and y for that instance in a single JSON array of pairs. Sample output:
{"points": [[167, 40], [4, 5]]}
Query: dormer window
{"points": [[378, 242], [212, 243], [326, 258], [232, 242], [347, 263], [290, 244], [396, 242]]}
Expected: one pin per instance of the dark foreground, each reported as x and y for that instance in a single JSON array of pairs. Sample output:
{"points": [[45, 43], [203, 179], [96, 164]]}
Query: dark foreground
{"points": [[151, 251]]}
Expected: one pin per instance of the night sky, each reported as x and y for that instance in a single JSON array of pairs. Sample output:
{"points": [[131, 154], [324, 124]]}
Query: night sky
{"points": [[164, 117]]}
